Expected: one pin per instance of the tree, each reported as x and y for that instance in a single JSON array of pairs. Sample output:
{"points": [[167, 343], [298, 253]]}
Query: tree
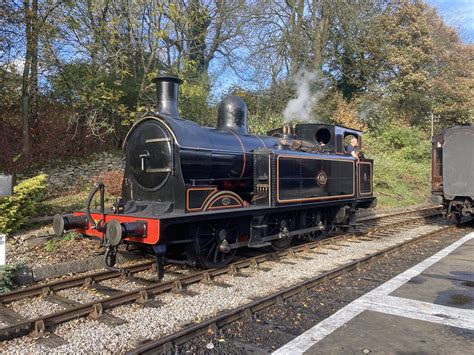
{"points": [[29, 89], [425, 66], [287, 36], [124, 44], [35, 22], [354, 46]]}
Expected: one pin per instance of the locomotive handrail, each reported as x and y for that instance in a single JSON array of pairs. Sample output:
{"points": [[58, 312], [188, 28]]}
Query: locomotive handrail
{"points": [[100, 186]]}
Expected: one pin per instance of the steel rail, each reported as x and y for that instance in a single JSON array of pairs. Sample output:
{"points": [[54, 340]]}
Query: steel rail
{"points": [[401, 213], [167, 343], [88, 279], [82, 280], [37, 327]]}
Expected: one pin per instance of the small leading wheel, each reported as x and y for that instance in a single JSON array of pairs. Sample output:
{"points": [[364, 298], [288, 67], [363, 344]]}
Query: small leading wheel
{"points": [[313, 218], [280, 224], [212, 243]]}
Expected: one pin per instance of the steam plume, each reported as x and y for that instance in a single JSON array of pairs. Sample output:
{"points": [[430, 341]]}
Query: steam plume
{"points": [[300, 108]]}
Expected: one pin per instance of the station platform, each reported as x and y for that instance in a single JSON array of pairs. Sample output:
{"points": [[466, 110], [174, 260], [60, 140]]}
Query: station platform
{"points": [[427, 309]]}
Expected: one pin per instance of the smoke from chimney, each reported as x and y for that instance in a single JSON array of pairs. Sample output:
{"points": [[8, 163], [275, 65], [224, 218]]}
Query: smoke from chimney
{"points": [[301, 107]]}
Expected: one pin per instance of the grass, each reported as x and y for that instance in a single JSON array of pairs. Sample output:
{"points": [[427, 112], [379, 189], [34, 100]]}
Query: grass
{"points": [[52, 245], [402, 165], [400, 183], [69, 203]]}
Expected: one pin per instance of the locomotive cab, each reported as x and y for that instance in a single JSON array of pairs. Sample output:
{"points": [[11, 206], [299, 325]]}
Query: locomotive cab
{"points": [[331, 137]]}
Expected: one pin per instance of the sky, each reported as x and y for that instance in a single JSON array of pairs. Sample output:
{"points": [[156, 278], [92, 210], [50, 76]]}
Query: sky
{"points": [[459, 14], [456, 13]]}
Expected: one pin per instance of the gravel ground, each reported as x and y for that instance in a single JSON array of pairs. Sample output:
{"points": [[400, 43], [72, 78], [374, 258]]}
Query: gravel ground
{"points": [[274, 326], [82, 294], [34, 307], [121, 284], [178, 310], [41, 255], [380, 212], [171, 272]]}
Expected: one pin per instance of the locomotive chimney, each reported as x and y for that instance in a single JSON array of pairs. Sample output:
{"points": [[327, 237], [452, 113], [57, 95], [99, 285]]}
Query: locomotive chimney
{"points": [[167, 88], [232, 114]]}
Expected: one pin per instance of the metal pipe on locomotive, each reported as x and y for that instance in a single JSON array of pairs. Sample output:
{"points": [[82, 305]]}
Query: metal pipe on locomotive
{"points": [[198, 194]]}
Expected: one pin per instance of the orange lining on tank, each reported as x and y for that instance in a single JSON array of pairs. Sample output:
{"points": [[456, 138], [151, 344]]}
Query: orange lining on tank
{"points": [[223, 194], [309, 198], [371, 179], [205, 200]]}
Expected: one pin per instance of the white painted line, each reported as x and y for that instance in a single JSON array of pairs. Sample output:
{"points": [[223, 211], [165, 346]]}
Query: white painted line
{"points": [[435, 313], [379, 300], [404, 277], [322, 329]]}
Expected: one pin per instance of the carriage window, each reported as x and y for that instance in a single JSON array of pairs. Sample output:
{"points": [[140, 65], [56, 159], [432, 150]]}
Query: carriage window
{"points": [[437, 162]]}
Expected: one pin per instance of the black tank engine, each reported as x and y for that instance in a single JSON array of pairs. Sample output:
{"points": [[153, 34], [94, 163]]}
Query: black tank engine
{"points": [[197, 193]]}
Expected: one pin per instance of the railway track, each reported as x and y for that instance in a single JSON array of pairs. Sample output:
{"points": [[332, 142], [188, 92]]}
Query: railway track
{"points": [[170, 342], [374, 228], [97, 277]]}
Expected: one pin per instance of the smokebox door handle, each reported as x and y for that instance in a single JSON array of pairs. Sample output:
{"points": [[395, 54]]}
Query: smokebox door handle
{"points": [[143, 156]]}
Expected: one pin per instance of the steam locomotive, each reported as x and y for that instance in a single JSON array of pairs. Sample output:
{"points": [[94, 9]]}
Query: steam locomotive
{"points": [[198, 194], [453, 171]]}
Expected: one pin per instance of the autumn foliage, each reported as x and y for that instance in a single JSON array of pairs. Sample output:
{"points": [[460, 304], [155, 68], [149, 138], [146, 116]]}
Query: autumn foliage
{"points": [[77, 74], [112, 180], [346, 114]]}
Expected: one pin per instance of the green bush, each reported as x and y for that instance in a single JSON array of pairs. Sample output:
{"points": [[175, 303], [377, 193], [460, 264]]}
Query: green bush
{"points": [[400, 183], [6, 274], [402, 158], [17, 209], [262, 123], [401, 142]]}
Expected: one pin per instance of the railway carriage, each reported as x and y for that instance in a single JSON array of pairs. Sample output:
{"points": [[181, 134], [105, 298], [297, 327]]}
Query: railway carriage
{"points": [[198, 194], [453, 171]]}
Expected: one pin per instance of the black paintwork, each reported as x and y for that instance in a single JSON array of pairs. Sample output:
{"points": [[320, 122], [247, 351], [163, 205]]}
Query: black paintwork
{"points": [[232, 114], [167, 87], [365, 177], [307, 177], [174, 167], [199, 156], [331, 137]]}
